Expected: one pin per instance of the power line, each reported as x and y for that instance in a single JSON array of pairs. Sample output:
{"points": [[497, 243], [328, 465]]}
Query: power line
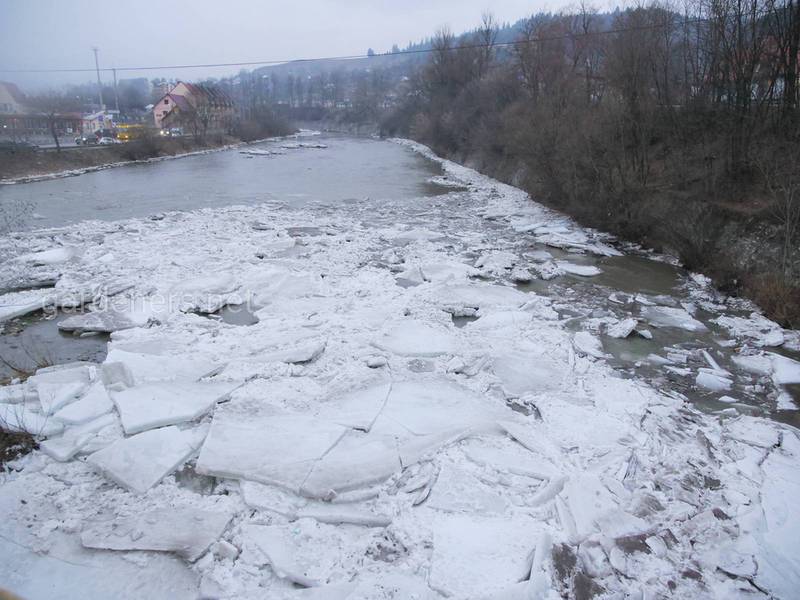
{"points": [[511, 44]]}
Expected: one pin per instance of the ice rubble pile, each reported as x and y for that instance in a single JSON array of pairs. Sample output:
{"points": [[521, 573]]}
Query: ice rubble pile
{"points": [[353, 443]]}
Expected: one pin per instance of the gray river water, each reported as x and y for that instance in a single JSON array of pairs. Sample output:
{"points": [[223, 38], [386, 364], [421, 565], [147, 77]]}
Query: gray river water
{"points": [[359, 172], [349, 169]]}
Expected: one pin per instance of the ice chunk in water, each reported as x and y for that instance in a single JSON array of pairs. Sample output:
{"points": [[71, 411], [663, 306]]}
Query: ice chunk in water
{"points": [[582, 270], [168, 403], [17, 304], [186, 531], [621, 329], [586, 343], [785, 370], [140, 462], [714, 380], [667, 316], [106, 321]]}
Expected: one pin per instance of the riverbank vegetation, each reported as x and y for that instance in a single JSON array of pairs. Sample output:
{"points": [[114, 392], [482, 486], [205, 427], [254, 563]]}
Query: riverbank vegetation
{"points": [[676, 129], [30, 162]]}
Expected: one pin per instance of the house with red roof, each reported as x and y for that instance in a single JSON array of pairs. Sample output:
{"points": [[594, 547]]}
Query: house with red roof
{"points": [[194, 107]]}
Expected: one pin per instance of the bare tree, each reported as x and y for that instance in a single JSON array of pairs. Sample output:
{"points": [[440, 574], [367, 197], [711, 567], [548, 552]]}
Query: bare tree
{"points": [[54, 106]]}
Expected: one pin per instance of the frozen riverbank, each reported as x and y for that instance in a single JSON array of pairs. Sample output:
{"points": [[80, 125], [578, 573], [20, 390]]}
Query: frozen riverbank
{"points": [[356, 442]]}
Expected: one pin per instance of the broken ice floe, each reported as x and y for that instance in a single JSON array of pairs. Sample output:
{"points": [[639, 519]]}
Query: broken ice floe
{"points": [[186, 531], [17, 304], [665, 316], [166, 403], [415, 338], [141, 461], [582, 270]]}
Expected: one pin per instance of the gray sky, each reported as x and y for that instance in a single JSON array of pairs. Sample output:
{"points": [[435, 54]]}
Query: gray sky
{"points": [[60, 33]]}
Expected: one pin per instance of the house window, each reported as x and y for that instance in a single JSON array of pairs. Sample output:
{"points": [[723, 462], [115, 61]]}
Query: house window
{"points": [[166, 101]]}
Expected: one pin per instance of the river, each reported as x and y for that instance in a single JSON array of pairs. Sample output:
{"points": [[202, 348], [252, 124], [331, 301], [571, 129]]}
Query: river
{"points": [[352, 173], [389, 372]]}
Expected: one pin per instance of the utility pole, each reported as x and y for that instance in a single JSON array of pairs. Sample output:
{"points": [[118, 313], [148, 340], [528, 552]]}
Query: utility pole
{"points": [[99, 84], [116, 96]]}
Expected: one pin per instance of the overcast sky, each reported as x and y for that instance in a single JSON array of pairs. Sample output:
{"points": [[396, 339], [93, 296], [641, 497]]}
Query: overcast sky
{"points": [[61, 33]]}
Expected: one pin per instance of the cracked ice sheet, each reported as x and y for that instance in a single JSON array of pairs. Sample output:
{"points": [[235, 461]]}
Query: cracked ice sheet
{"points": [[278, 449]]}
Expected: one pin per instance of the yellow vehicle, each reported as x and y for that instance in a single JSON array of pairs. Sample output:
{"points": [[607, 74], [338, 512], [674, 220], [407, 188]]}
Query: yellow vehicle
{"points": [[125, 133]]}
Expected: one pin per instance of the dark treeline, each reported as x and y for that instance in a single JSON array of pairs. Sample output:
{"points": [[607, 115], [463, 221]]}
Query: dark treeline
{"points": [[679, 129]]}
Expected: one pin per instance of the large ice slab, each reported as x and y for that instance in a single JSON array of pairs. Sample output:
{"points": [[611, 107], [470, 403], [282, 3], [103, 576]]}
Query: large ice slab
{"points": [[279, 547], [356, 461], [205, 294], [581, 270], [778, 528], [276, 449], [473, 553], [143, 460], [60, 386], [94, 403], [76, 438], [17, 304], [186, 531], [167, 403], [436, 405], [469, 298], [54, 256], [20, 418], [160, 365], [106, 321], [416, 338], [667, 316]]}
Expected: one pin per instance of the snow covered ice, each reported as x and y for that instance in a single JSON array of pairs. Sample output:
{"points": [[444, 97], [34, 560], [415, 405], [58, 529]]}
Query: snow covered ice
{"points": [[460, 435]]}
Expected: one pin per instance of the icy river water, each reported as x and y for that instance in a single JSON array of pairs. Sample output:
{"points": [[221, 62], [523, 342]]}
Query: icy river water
{"points": [[356, 172], [344, 368]]}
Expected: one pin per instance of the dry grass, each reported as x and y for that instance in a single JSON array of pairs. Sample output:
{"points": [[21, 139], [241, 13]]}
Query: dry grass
{"points": [[779, 299], [14, 445]]}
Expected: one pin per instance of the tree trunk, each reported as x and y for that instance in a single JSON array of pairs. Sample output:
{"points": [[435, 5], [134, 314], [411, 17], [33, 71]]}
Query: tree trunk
{"points": [[54, 133]]}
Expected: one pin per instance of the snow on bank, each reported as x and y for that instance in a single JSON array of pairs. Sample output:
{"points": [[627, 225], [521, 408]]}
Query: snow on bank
{"points": [[353, 441]]}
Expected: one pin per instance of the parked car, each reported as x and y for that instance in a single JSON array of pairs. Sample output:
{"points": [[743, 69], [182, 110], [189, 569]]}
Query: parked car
{"points": [[85, 140], [107, 141]]}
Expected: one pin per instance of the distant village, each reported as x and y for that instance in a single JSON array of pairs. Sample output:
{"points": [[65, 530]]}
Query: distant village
{"points": [[90, 113], [174, 108]]}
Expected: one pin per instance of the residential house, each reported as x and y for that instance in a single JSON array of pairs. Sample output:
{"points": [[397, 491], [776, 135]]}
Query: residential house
{"points": [[99, 121], [19, 121], [12, 100], [195, 108]]}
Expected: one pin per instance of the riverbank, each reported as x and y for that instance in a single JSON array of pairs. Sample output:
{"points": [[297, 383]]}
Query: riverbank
{"points": [[407, 410], [42, 165], [741, 246]]}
